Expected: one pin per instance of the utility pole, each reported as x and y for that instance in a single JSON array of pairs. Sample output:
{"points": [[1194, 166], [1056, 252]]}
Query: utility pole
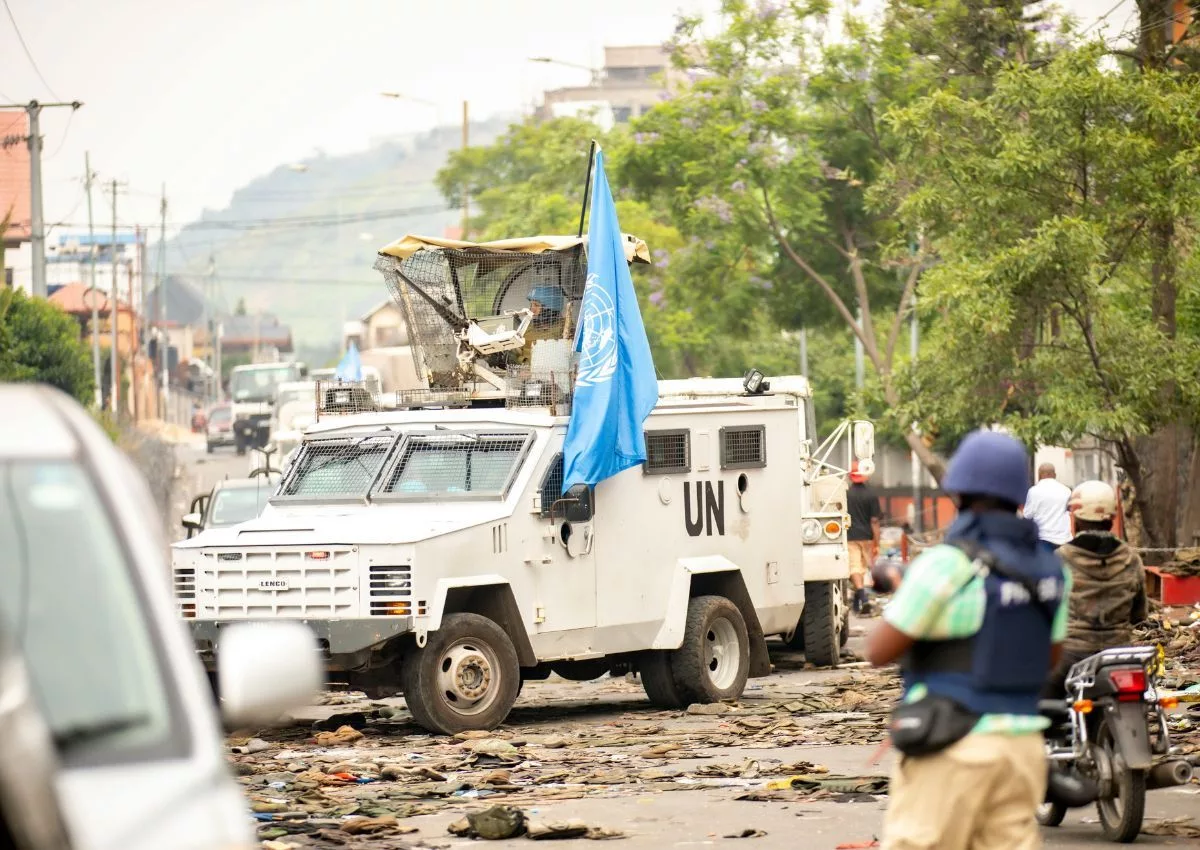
{"points": [[160, 287], [37, 224], [114, 311], [466, 210], [220, 386], [209, 325], [88, 178], [134, 336], [804, 352], [918, 519]]}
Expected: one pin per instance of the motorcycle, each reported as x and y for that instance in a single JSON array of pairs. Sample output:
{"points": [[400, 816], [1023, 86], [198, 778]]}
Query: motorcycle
{"points": [[1104, 738]]}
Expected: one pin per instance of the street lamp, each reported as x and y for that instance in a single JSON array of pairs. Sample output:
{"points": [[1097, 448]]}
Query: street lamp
{"points": [[466, 207], [548, 60]]}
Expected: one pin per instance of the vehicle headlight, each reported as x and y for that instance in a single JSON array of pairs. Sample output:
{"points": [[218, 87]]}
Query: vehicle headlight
{"points": [[833, 529], [810, 530]]}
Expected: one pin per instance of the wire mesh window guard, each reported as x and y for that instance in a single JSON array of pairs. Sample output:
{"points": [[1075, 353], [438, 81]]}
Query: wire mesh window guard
{"points": [[668, 452], [743, 447], [459, 464], [439, 290], [338, 468], [344, 397], [552, 481]]}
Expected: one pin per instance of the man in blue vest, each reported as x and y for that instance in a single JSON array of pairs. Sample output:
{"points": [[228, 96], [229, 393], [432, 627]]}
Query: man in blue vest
{"points": [[977, 623]]}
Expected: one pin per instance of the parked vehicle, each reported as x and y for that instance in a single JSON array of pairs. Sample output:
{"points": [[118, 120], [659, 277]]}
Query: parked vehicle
{"points": [[434, 553], [1111, 730], [140, 757], [231, 502], [253, 388], [219, 430]]}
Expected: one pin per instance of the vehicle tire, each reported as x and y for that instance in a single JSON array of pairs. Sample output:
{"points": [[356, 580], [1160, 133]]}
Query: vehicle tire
{"points": [[796, 641], [1051, 814], [465, 678], [241, 446], [1121, 815], [209, 446], [713, 662], [844, 634], [822, 623], [654, 669], [581, 671]]}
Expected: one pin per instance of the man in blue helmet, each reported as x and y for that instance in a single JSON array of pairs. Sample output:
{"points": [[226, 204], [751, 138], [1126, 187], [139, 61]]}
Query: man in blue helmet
{"points": [[546, 303], [977, 623]]}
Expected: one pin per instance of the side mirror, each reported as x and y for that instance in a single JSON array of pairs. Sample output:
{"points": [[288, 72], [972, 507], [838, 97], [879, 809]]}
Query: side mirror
{"points": [[578, 507], [864, 440], [193, 521], [265, 670]]}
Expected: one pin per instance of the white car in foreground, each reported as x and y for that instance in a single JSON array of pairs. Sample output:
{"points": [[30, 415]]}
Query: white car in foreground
{"points": [[114, 675]]}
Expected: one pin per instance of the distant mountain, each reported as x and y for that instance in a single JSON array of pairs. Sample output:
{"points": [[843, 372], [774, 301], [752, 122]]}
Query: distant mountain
{"points": [[300, 241]]}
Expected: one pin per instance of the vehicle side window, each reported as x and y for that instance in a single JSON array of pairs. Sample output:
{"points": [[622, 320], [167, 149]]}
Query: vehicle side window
{"points": [[551, 488], [743, 447], [668, 452]]}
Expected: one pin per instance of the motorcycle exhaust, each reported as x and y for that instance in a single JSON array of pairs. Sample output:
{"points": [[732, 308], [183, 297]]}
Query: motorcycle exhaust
{"points": [[1071, 790], [1169, 774]]}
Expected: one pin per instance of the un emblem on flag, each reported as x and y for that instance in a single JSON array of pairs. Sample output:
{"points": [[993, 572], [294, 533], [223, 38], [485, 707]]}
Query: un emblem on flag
{"points": [[598, 351]]}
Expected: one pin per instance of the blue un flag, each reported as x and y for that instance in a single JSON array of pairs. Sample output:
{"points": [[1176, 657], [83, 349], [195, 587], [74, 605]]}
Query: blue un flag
{"points": [[350, 367], [616, 386]]}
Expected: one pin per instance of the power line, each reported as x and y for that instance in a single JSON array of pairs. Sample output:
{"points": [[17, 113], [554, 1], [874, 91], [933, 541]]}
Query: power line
{"points": [[299, 222], [66, 132], [28, 55]]}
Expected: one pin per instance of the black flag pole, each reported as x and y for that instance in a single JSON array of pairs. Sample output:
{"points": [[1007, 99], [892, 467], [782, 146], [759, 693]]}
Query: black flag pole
{"points": [[587, 186]]}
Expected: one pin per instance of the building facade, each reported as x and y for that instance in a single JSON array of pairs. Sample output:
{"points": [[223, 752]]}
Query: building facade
{"points": [[632, 80]]}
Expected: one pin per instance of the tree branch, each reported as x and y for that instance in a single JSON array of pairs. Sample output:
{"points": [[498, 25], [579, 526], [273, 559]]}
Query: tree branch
{"points": [[910, 286], [817, 277], [864, 298]]}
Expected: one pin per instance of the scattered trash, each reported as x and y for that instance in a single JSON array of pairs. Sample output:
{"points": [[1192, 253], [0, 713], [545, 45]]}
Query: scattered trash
{"points": [[342, 736], [375, 826], [711, 709], [748, 833], [355, 720], [1181, 827], [494, 824], [861, 845], [252, 746], [492, 747]]}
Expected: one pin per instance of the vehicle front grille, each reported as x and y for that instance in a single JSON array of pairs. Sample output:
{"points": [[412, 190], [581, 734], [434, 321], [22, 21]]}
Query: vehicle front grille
{"points": [[315, 582], [390, 590], [185, 591]]}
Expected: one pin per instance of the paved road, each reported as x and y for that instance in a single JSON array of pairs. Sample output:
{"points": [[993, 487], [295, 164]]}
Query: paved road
{"points": [[200, 471], [622, 785]]}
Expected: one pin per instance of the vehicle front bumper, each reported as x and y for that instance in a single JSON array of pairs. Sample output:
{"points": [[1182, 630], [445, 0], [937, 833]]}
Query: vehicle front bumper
{"points": [[250, 428], [339, 640], [221, 438]]}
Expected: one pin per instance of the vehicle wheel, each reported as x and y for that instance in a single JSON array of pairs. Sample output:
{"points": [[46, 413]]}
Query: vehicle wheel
{"points": [[654, 669], [241, 447], [1051, 814], [714, 660], [844, 634], [465, 678], [581, 671], [822, 623], [1121, 815], [209, 446]]}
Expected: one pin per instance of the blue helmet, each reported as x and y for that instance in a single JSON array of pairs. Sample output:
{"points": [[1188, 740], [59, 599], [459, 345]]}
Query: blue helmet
{"points": [[989, 463], [550, 297]]}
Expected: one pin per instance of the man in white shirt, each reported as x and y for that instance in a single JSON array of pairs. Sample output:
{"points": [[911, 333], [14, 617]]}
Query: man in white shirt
{"points": [[1046, 505]]}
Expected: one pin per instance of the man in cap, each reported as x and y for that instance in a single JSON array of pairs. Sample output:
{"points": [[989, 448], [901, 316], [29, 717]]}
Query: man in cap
{"points": [[546, 303], [863, 535], [977, 623], [1108, 590]]}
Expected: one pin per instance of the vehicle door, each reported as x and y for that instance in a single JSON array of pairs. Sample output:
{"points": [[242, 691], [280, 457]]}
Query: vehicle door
{"points": [[565, 564]]}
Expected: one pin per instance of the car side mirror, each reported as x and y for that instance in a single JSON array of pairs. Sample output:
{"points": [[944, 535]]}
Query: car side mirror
{"points": [[578, 503], [265, 670], [193, 523]]}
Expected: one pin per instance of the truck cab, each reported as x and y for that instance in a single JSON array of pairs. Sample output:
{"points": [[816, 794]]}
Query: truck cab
{"points": [[430, 546], [252, 390]]}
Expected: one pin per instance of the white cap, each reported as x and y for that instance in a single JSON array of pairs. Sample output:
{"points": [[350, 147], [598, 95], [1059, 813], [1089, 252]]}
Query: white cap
{"points": [[1093, 501]]}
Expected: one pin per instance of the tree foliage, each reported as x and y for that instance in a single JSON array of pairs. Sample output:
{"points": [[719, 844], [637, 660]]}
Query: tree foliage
{"points": [[39, 342]]}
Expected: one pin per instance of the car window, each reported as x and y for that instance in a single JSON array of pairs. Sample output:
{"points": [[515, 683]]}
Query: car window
{"points": [[70, 597], [238, 504], [220, 414]]}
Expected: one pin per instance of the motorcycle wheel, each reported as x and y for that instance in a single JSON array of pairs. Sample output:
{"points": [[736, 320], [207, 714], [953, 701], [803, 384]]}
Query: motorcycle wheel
{"points": [[1051, 814], [1121, 815]]}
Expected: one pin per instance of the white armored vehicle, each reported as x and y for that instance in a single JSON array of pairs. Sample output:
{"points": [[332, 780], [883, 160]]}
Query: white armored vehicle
{"points": [[430, 547]]}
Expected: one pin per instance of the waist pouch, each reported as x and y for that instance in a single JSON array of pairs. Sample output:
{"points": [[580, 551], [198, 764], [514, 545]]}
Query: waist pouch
{"points": [[930, 725]]}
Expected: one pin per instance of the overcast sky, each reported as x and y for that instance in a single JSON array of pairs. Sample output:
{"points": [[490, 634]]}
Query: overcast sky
{"points": [[207, 96]]}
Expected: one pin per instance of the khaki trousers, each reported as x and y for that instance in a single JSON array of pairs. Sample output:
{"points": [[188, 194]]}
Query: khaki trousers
{"points": [[981, 793]]}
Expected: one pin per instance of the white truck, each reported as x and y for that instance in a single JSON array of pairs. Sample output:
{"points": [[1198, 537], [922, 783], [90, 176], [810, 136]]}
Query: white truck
{"points": [[431, 549], [252, 390]]}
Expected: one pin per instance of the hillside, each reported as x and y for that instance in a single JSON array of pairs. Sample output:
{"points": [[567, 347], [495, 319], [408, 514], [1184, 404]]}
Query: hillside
{"points": [[301, 243]]}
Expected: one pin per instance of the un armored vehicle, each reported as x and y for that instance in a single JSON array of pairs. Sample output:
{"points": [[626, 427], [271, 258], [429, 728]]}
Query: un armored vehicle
{"points": [[429, 545]]}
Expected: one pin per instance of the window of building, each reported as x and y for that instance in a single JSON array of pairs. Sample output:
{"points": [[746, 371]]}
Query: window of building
{"points": [[743, 447], [668, 452]]}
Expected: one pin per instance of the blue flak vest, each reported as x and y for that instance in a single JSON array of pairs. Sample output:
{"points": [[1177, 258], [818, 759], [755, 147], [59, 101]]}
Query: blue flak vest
{"points": [[1002, 667]]}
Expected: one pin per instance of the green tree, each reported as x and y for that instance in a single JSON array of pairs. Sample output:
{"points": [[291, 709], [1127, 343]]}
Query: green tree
{"points": [[1043, 202], [240, 309], [39, 342]]}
